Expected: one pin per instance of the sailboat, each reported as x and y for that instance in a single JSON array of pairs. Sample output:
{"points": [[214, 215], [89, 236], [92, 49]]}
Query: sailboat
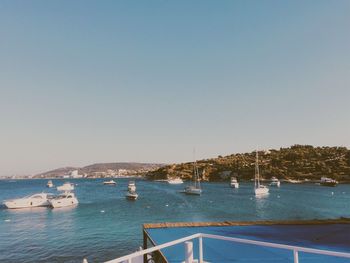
{"points": [[259, 188], [195, 188]]}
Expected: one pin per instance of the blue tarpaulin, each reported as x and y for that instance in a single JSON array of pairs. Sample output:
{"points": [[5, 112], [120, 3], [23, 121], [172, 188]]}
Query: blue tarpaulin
{"points": [[335, 237]]}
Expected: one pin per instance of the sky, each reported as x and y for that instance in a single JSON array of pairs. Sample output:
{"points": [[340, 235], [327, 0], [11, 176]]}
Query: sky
{"points": [[83, 82]]}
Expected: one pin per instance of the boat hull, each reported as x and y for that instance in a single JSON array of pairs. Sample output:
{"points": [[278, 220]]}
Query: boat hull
{"points": [[193, 191], [130, 196], [25, 203], [261, 191], [57, 203], [278, 184], [330, 184], [169, 182], [234, 185]]}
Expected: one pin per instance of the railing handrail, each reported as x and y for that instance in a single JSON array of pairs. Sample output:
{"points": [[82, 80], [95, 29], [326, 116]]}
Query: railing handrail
{"points": [[152, 249], [231, 239], [277, 245]]}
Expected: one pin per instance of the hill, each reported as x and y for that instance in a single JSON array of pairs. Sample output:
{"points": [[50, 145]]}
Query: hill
{"points": [[297, 162], [101, 168]]}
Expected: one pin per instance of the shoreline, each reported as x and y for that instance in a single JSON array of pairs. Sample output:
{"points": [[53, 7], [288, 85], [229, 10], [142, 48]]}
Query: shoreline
{"points": [[341, 220]]}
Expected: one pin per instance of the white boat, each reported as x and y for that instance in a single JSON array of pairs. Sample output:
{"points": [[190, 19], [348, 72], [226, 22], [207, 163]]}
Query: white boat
{"points": [[294, 181], [132, 186], [175, 181], [325, 181], [111, 182], [64, 200], [234, 183], [49, 184], [259, 189], [35, 200], [275, 182], [66, 187], [131, 194], [194, 189]]}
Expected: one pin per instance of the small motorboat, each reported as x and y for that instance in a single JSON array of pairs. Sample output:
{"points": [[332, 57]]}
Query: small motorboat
{"points": [[275, 182], [49, 184], [63, 200], [234, 183], [132, 186], [325, 181], [35, 200], [131, 194], [175, 181], [66, 187], [111, 182]]}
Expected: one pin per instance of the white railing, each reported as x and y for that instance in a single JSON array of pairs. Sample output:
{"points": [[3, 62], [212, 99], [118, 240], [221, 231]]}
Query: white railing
{"points": [[201, 236]]}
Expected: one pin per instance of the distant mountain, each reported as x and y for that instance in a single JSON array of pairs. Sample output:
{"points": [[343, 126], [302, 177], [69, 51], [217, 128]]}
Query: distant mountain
{"points": [[101, 168], [297, 162], [56, 172]]}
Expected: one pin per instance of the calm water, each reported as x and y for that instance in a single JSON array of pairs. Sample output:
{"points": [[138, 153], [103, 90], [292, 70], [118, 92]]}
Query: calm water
{"points": [[70, 234]]}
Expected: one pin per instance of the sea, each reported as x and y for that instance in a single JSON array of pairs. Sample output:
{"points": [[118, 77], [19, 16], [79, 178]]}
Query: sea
{"points": [[105, 225]]}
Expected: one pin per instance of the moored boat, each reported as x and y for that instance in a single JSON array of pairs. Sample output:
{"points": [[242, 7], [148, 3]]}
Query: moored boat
{"points": [[259, 189], [49, 184], [325, 181], [275, 182], [131, 194], [35, 200], [110, 182], [63, 200], [175, 181], [234, 183], [66, 187], [195, 188]]}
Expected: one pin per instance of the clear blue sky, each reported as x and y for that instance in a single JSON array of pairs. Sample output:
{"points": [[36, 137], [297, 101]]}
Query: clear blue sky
{"points": [[103, 81]]}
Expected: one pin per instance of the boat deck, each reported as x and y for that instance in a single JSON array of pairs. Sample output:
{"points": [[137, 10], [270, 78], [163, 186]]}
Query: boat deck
{"points": [[327, 235]]}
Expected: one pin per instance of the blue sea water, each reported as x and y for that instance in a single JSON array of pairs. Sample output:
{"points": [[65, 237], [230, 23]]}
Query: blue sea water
{"points": [[105, 225]]}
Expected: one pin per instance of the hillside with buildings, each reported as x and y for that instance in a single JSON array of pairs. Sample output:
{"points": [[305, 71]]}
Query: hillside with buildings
{"points": [[101, 170], [298, 162]]}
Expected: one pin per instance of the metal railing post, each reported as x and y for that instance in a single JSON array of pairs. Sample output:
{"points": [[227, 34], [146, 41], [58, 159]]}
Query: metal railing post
{"points": [[296, 256], [200, 243], [188, 252]]}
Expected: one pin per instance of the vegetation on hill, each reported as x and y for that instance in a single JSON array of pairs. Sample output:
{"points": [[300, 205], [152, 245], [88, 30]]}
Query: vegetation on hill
{"points": [[297, 162]]}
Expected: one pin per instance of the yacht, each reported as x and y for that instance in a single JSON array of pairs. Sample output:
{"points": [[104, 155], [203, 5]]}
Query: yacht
{"points": [[132, 186], [175, 181], [66, 187], [275, 182], [111, 182], [131, 194], [259, 188], [325, 181], [49, 184], [35, 200], [63, 200], [234, 183], [195, 188]]}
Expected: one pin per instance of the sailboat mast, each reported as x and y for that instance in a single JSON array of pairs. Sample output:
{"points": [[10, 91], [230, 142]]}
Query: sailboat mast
{"points": [[257, 174]]}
